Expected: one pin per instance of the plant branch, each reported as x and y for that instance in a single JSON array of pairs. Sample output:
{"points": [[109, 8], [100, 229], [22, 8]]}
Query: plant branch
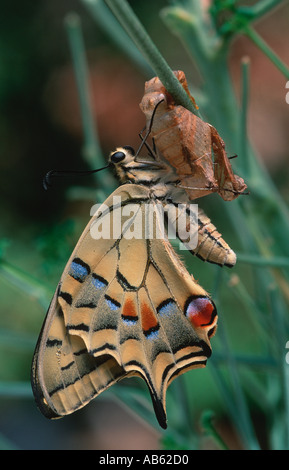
{"points": [[109, 24], [92, 152], [136, 31], [263, 46], [210, 55], [207, 423], [244, 145], [75, 38], [259, 9]]}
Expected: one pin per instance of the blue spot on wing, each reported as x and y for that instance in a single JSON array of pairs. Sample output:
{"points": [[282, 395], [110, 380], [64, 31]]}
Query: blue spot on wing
{"points": [[112, 303], [168, 307], [129, 320], [79, 270], [152, 335], [98, 281]]}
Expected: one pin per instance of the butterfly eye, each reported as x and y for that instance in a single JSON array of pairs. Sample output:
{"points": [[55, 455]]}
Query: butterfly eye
{"points": [[130, 149], [117, 157]]}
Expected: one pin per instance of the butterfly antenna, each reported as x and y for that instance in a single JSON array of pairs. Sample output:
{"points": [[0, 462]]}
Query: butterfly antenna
{"points": [[144, 139], [55, 173]]}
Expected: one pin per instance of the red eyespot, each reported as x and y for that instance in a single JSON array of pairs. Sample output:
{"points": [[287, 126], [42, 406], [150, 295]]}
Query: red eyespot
{"points": [[200, 311]]}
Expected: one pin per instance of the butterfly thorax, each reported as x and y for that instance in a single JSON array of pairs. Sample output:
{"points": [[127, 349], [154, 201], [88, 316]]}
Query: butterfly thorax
{"points": [[155, 174]]}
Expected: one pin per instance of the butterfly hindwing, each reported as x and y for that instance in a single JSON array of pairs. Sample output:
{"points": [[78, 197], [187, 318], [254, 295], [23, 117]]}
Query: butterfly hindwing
{"points": [[124, 306]]}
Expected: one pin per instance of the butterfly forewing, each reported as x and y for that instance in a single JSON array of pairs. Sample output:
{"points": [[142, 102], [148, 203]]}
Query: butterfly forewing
{"points": [[124, 306]]}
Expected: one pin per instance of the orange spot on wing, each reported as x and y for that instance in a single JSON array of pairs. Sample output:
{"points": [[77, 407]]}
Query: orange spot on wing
{"points": [[129, 308], [148, 318]]}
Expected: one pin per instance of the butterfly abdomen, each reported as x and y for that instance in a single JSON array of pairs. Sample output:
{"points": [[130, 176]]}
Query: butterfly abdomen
{"points": [[211, 246]]}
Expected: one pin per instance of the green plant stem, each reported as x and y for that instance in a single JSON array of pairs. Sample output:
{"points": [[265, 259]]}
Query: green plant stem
{"points": [[111, 27], [207, 423], [136, 31], [260, 8], [245, 160], [285, 377], [92, 151], [7, 444], [263, 46], [26, 283], [211, 58], [186, 419], [243, 421], [238, 406], [15, 390], [17, 340], [279, 323], [255, 260], [248, 361]]}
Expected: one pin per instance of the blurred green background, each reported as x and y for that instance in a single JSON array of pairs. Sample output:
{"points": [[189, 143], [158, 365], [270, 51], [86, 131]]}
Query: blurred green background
{"points": [[42, 129]]}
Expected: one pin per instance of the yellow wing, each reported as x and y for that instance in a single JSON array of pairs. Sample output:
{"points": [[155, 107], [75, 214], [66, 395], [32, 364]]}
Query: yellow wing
{"points": [[123, 307]]}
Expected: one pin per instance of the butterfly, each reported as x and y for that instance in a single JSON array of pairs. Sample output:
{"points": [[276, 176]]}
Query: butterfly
{"points": [[187, 143], [126, 305]]}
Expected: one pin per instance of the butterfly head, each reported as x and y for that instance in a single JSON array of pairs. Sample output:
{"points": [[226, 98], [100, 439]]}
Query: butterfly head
{"points": [[130, 167], [122, 155]]}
